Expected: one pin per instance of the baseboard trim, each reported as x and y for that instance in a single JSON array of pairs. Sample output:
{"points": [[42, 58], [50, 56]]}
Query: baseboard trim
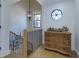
{"points": [[77, 52], [5, 53]]}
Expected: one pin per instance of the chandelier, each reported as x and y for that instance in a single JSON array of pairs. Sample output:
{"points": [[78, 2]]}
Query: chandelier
{"points": [[29, 12]]}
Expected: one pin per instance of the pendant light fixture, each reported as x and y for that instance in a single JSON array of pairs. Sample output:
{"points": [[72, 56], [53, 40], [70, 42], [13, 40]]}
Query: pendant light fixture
{"points": [[29, 13]]}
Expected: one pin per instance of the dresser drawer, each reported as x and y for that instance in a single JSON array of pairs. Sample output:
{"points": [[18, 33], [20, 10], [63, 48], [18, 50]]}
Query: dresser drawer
{"points": [[67, 43], [65, 37], [50, 34], [52, 41], [49, 45], [66, 49]]}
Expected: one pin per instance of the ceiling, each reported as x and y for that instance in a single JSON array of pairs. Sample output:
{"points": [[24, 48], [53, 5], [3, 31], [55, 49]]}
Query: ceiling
{"points": [[12, 1], [42, 2], [34, 5], [45, 2]]}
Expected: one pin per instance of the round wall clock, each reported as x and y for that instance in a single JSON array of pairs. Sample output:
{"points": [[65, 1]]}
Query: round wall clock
{"points": [[56, 14]]}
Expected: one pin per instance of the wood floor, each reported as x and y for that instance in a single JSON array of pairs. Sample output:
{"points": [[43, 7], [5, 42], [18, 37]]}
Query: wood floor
{"points": [[42, 53]]}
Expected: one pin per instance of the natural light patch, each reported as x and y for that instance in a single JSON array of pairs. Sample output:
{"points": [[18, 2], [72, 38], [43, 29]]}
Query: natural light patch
{"points": [[37, 21]]}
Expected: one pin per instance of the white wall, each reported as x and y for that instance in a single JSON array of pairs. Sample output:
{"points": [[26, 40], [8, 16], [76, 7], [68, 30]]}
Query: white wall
{"points": [[18, 19], [0, 15], [0, 23], [5, 20], [67, 19], [77, 25]]}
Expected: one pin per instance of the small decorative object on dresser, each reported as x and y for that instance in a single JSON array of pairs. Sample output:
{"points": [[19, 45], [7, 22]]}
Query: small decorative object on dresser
{"points": [[63, 29], [58, 41]]}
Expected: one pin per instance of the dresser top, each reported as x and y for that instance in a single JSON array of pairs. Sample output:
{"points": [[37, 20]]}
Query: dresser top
{"points": [[58, 32]]}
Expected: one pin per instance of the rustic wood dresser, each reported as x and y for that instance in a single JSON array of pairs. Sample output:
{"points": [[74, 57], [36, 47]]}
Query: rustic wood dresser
{"points": [[58, 41]]}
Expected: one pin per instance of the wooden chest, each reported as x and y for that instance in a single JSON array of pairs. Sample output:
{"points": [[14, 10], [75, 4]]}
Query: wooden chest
{"points": [[58, 41]]}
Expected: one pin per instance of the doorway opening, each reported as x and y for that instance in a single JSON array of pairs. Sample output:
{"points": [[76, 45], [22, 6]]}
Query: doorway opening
{"points": [[23, 33]]}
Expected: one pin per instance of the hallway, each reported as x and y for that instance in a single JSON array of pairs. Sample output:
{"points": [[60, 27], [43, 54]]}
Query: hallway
{"points": [[27, 25]]}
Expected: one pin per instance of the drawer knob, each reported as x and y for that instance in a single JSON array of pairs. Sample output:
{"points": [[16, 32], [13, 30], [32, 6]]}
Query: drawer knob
{"points": [[64, 36], [48, 40]]}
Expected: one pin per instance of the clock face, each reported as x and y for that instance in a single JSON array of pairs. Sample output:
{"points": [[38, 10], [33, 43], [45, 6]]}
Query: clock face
{"points": [[56, 14]]}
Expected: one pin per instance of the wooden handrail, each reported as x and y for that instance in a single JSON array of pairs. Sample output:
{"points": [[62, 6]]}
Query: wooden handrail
{"points": [[13, 33]]}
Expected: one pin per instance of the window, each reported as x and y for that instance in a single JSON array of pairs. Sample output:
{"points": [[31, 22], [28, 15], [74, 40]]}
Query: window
{"points": [[37, 21], [56, 14]]}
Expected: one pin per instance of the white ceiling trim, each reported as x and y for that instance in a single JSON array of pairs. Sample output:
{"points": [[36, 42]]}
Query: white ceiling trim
{"points": [[45, 2], [40, 1]]}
